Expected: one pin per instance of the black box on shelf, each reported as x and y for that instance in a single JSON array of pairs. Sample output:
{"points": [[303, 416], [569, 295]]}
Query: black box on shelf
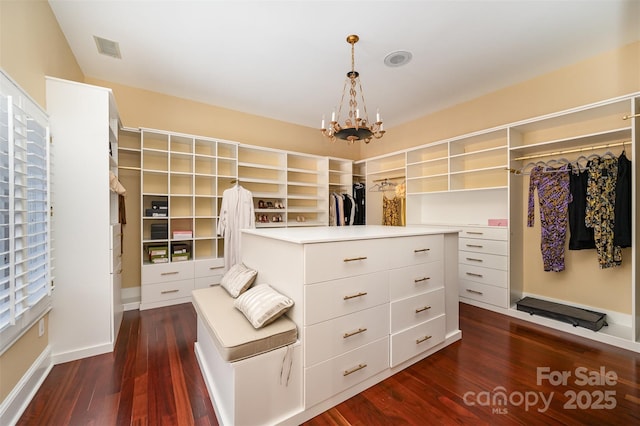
{"points": [[160, 205], [159, 231], [155, 213]]}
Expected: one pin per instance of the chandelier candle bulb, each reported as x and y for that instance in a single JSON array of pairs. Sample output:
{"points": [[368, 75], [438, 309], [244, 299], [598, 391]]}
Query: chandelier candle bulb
{"points": [[333, 117], [322, 125], [377, 115]]}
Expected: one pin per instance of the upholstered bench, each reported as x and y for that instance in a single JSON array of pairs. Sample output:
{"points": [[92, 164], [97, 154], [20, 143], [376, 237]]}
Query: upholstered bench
{"points": [[233, 334], [247, 371]]}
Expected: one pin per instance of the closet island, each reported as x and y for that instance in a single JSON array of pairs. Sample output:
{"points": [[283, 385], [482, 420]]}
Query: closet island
{"points": [[369, 301]]}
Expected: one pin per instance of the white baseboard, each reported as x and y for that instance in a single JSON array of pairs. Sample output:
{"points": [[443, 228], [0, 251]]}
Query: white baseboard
{"points": [[130, 297], [21, 395]]}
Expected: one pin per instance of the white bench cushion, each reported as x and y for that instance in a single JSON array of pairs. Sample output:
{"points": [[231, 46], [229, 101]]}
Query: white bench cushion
{"points": [[232, 333]]}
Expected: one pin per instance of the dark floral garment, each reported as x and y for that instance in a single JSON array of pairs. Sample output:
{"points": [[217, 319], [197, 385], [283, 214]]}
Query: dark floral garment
{"points": [[600, 213], [554, 198]]}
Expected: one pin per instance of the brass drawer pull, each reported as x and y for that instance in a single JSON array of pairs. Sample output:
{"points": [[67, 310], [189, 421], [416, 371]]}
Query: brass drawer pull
{"points": [[169, 291], [353, 370], [423, 339], [421, 250], [353, 333], [169, 273], [471, 274], [417, 280], [474, 245], [211, 268], [353, 296], [422, 309], [474, 292], [353, 259], [474, 259], [475, 233]]}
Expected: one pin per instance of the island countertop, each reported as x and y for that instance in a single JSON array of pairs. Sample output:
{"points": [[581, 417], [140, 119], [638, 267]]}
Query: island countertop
{"points": [[323, 234]]}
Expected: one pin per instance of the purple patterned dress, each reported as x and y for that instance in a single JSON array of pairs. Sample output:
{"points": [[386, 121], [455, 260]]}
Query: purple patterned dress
{"points": [[554, 198]]}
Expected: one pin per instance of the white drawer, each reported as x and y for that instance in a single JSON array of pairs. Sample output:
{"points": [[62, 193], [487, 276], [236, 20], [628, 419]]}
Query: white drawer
{"points": [[331, 299], [494, 261], [479, 274], [210, 281], [490, 294], [342, 259], [415, 340], [207, 267], [166, 291], [407, 251], [332, 338], [166, 272], [116, 236], [414, 310], [483, 246], [416, 279], [116, 261], [337, 374], [490, 233]]}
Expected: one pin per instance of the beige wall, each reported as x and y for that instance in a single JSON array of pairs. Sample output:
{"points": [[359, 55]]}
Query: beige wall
{"points": [[602, 77], [31, 46], [142, 108]]}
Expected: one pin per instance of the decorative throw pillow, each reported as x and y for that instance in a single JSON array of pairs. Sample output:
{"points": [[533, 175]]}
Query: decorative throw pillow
{"points": [[238, 279], [262, 305]]}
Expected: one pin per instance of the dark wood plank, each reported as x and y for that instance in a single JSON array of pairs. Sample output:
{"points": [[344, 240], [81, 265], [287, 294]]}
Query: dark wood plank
{"points": [[152, 378]]}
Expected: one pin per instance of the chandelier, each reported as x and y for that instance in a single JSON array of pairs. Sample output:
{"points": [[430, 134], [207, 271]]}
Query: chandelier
{"points": [[357, 126]]}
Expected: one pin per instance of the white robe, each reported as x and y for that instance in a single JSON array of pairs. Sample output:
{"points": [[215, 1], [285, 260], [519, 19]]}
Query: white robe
{"points": [[236, 213]]}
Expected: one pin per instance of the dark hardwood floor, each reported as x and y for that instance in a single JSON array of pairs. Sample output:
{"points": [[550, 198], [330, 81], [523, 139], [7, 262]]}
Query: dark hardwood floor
{"points": [[490, 377]]}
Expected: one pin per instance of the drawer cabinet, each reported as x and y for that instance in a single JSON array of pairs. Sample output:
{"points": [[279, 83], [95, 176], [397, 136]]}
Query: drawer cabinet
{"points": [[330, 261], [414, 250], [412, 311], [485, 293], [484, 260], [417, 339], [166, 284], [208, 272], [484, 265], [342, 334], [483, 246], [167, 272], [412, 280], [169, 291], [485, 233], [362, 296], [345, 296], [484, 275], [337, 374]]}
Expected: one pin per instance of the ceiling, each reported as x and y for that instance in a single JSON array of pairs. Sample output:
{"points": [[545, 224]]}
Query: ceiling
{"points": [[287, 60]]}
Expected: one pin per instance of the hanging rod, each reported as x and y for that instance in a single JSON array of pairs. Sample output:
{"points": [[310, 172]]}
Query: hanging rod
{"points": [[590, 148], [626, 117], [389, 178]]}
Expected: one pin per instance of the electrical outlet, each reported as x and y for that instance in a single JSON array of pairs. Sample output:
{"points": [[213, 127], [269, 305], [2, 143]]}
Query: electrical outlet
{"points": [[41, 327]]}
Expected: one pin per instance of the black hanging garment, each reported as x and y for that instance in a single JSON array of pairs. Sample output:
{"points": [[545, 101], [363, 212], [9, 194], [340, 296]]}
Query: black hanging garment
{"points": [[622, 223], [580, 237], [359, 193]]}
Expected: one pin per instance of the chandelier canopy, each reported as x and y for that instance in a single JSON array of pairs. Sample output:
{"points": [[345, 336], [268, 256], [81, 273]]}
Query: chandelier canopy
{"points": [[356, 126]]}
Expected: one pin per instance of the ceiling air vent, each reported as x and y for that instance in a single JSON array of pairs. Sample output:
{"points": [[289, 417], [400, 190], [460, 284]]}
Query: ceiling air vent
{"points": [[108, 47]]}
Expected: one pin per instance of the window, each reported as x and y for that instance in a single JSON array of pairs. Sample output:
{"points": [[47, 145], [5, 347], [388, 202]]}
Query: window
{"points": [[25, 270]]}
